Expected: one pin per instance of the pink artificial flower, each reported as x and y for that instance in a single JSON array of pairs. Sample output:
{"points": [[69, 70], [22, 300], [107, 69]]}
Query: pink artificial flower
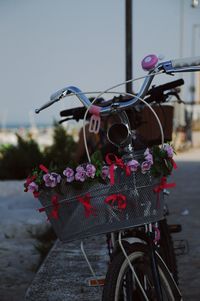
{"points": [[169, 149], [146, 165], [90, 170], [133, 165], [32, 187], [29, 180], [147, 152], [148, 156], [69, 173], [105, 172], [51, 179], [80, 174]]}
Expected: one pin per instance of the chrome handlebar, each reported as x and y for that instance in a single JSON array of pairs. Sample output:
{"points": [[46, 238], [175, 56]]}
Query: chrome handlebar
{"points": [[168, 67]]}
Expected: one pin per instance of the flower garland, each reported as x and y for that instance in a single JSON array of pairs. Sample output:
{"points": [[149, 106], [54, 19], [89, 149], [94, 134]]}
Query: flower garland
{"points": [[157, 160]]}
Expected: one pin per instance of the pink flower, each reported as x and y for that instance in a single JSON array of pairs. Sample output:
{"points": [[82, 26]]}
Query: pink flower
{"points": [[90, 170], [69, 173], [32, 187], [133, 165], [147, 152], [105, 172], [146, 165], [80, 174], [29, 180], [148, 156], [169, 149], [51, 179]]}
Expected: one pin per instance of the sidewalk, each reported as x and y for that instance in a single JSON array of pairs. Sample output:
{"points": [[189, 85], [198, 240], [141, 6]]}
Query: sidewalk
{"points": [[20, 224], [184, 206], [63, 275]]}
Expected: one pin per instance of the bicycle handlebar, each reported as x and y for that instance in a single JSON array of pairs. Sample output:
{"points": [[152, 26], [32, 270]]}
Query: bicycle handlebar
{"points": [[155, 94], [169, 67]]}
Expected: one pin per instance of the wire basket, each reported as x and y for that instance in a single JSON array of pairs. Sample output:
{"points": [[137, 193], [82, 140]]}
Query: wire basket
{"points": [[97, 208]]}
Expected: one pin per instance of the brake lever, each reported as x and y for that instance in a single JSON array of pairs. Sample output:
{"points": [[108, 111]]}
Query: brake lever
{"points": [[65, 119], [179, 100]]}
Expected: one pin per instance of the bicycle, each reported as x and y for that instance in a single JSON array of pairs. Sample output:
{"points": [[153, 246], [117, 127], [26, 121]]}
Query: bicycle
{"points": [[156, 95], [137, 271]]}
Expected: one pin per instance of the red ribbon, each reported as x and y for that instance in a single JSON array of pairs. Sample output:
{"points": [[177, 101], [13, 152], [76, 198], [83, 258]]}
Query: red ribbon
{"points": [[116, 162], [89, 209], [43, 168], [29, 180], [119, 198], [55, 204], [163, 185], [36, 194], [174, 164]]}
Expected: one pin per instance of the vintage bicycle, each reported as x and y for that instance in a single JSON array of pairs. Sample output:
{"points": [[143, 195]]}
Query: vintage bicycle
{"points": [[142, 126], [128, 205]]}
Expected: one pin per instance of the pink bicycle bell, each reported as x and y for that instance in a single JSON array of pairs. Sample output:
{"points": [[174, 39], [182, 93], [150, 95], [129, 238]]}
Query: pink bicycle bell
{"points": [[149, 62]]}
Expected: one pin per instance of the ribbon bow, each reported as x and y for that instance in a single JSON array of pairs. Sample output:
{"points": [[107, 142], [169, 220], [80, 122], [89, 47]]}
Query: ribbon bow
{"points": [[163, 185], [118, 162], [89, 209], [119, 198], [55, 204]]}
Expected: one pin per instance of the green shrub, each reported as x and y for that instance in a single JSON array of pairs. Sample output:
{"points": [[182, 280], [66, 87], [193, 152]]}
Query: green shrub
{"points": [[16, 162], [60, 153]]}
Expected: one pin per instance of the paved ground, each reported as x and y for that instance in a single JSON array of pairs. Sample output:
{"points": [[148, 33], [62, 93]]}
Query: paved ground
{"points": [[20, 224], [64, 273], [184, 204]]}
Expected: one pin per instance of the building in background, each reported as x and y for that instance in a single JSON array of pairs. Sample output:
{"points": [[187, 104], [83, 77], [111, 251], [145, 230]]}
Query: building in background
{"points": [[170, 28]]}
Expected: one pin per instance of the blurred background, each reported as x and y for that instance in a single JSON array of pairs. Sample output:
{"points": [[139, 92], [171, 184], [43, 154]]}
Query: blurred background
{"points": [[47, 45]]}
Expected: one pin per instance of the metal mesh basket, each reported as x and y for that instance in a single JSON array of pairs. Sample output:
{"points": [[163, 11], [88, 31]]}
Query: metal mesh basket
{"points": [[130, 202]]}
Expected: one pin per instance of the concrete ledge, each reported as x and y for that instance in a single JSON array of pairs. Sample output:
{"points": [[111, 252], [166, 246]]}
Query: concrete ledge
{"points": [[64, 274]]}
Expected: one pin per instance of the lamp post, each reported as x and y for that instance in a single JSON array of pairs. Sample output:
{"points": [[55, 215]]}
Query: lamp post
{"points": [[128, 43]]}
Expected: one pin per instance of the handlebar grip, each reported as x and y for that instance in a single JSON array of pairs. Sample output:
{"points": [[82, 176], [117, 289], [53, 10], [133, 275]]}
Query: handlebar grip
{"points": [[165, 87], [171, 85], [186, 62], [75, 112]]}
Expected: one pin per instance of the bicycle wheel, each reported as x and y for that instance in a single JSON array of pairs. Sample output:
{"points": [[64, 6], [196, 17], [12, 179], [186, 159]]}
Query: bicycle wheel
{"points": [[122, 285], [166, 246]]}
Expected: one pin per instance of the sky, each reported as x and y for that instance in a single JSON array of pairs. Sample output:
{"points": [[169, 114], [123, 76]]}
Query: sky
{"points": [[46, 45]]}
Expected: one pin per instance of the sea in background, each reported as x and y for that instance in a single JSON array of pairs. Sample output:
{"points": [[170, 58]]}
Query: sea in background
{"points": [[17, 125], [42, 132]]}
